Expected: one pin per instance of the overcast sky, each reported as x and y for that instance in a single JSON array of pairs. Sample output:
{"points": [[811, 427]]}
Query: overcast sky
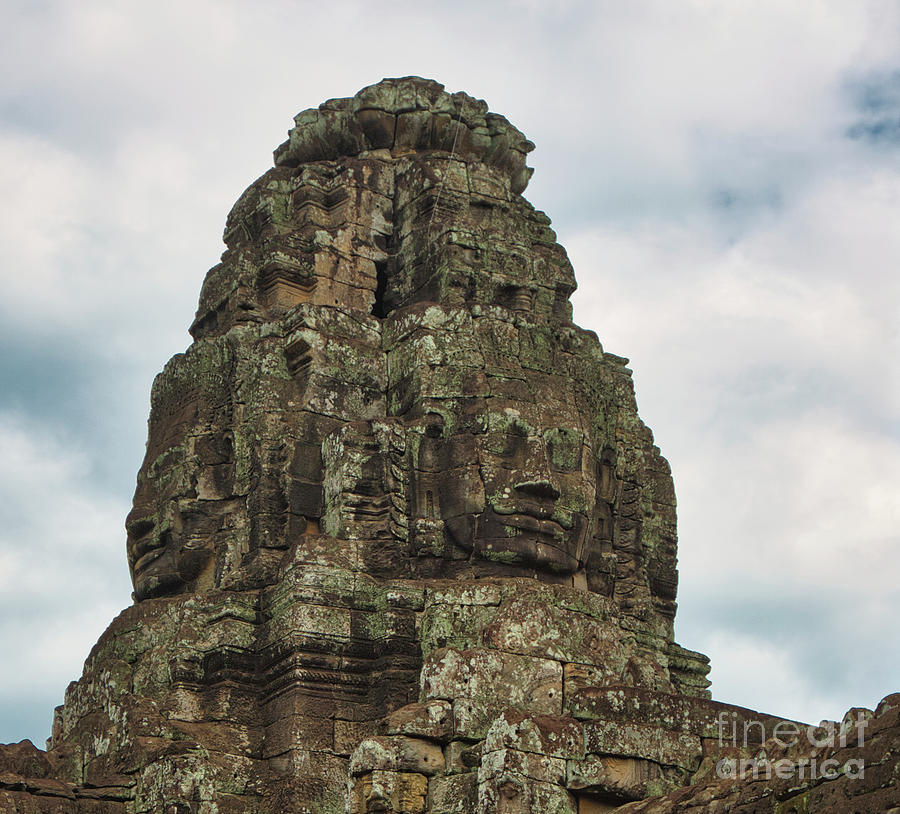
{"points": [[725, 176]]}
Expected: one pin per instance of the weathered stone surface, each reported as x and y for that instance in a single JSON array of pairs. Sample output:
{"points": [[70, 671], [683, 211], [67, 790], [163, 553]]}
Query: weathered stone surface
{"points": [[433, 721], [554, 736], [400, 541], [397, 753], [857, 776]]}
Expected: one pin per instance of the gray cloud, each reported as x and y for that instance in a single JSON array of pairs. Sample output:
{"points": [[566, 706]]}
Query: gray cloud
{"points": [[721, 175], [877, 97]]}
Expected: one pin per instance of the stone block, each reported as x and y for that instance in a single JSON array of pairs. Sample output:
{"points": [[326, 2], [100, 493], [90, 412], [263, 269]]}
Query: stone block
{"points": [[432, 720], [483, 683], [397, 753]]}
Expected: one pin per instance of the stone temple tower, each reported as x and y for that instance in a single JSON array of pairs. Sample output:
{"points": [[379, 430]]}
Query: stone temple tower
{"points": [[400, 541]]}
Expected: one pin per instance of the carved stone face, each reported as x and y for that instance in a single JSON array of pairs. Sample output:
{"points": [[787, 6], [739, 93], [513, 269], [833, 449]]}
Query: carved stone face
{"points": [[170, 553], [538, 494], [514, 489], [177, 519], [180, 522]]}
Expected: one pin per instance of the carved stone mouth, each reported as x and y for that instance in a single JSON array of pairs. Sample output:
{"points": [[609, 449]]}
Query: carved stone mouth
{"points": [[148, 557], [529, 512], [546, 527]]}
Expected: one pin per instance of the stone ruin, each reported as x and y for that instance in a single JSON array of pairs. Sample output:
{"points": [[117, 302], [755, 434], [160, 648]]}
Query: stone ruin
{"points": [[400, 541]]}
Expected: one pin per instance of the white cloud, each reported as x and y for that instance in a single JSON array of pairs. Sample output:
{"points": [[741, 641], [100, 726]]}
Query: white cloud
{"points": [[70, 242], [61, 570], [55, 528], [753, 668]]}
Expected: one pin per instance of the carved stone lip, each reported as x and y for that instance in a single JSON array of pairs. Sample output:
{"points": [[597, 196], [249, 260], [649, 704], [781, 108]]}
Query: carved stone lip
{"points": [[535, 525], [533, 511], [148, 557]]}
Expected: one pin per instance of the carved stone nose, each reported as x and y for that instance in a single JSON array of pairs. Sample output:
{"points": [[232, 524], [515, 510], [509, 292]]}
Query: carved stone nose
{"points": [[541, 489]]}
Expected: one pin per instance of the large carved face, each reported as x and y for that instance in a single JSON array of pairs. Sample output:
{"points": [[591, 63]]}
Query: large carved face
{"points": [[538, 494], [175, 522], [169, 550], [516, 486], [183, 516]]}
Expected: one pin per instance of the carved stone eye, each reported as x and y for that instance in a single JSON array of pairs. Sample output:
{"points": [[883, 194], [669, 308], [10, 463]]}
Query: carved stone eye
{"points": [[434, 425], [564, 447], [503, 443]]}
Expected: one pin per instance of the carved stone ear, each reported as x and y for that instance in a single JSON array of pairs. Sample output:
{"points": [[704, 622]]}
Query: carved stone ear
{"points": [[299, 358], [606, 475]]}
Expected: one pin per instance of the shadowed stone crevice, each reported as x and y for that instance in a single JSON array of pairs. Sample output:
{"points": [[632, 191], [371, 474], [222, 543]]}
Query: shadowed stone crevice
{"points": [[379, 309]]}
